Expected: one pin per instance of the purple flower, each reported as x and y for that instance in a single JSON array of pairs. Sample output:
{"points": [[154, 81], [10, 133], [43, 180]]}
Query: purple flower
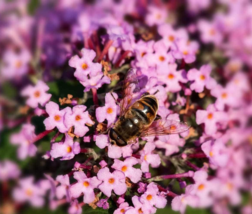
{"points": [[127, 168], [77, 119], [217, 152], [179, 203], [36, 94], [28, 191], [25, 139], [210, 117], [169, 75], [201, 78], [85, 64], [56, 117], [109, 111], [67, 149], [15, 64], [147, 157], [186, 50], [139, 207], [155, 16], [75, 208], [103, 203], [63, 189], [153, 197], [112, 181], [94, 80], [84, 185], [8, 170], [122, 208], [113, 151]]}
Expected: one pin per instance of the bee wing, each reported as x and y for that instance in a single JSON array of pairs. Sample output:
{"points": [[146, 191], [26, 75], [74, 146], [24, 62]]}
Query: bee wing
{"points": [[133, 83], [165, 127]]}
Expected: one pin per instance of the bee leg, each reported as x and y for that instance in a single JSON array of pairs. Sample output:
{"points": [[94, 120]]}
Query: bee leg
{"points": [[117, 103], [145, 94], [157, 117], [156, 92]]}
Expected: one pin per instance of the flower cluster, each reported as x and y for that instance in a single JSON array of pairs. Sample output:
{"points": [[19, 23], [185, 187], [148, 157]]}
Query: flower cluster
{"points": [[63, 73]]}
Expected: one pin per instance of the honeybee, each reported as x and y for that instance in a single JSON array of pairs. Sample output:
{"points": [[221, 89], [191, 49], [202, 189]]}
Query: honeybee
{"points": [[139, 118]]}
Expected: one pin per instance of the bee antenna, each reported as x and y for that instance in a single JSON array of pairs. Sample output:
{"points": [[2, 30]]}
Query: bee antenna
{"points": [[156, 92]]}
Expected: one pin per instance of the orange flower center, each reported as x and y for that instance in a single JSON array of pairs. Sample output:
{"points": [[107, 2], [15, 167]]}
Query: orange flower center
{"points": [[210, 116], [212, 32], [211, 154], [158, 16], [29, 192], [122, 210], [171, 38], [84, 66], [18, 64], [69, 149], [201, 187], [86, 184], [36, 94], [230, 186], [124, 168], [57, 118], [140, 211], [78, 117], [145, 157], [185, 52], [111, 180], [202, 77], [143, 54], [173, 127], [170, 76], [109, 110], [149, 197], [224, 95], [161, 58]]}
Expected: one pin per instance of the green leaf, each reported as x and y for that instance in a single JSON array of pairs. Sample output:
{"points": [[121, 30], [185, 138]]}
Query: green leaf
{"points": [[90, 210]]}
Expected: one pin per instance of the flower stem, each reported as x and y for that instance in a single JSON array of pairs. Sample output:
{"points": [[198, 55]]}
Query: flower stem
{"points": [[105, 50], [123, 56], [41, 135], [192, 165], [163, 177], [197, 155], [95, 98]]}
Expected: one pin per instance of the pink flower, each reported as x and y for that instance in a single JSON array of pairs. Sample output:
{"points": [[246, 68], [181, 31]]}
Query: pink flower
{"points": [[77, 119], [139, 207], [75, 208], [122, 208], [15, 64], [8, 170], [217, 152], [56, 117], [196, 6], [127, 168], [186, 50], [94, 80], [155, 16], [36, 94], [169, 148], [84, 185], [30, 192], [67, 149], [25, 140], [210, 118], [153, 197], [63, 189], [201, 78], [179, 203], [147, 157], [112, 181], [113, 151], [109, 111], [85, 65], [209, 32], [169, 75]]}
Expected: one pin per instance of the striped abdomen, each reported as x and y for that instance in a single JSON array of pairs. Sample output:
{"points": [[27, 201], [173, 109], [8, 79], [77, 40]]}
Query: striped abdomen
{"points": [[138, 117]]}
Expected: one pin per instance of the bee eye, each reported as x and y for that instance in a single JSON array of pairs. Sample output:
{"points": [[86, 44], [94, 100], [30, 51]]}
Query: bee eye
{"points": [[118, 138]]}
